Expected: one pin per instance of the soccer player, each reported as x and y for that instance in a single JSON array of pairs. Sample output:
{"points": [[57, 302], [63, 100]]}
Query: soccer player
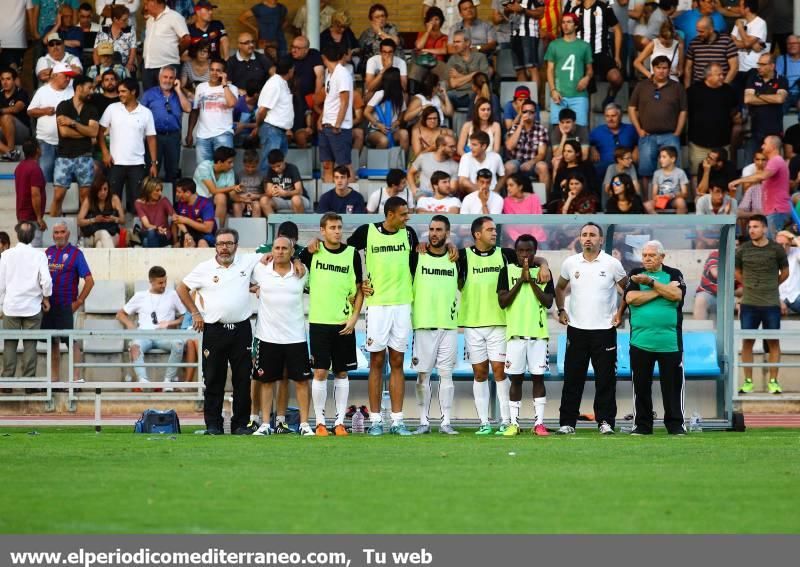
{"points": [[526, 303], [335, 300], [435, 324]]}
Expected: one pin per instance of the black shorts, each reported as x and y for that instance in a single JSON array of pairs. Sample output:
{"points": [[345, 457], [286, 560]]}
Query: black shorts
{"points": [[271, 358], [602, 63], [58, 318], [330, 350]]}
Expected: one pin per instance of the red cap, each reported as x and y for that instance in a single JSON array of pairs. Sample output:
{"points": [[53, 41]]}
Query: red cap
{"points": [[571, 15], [522, 92]]}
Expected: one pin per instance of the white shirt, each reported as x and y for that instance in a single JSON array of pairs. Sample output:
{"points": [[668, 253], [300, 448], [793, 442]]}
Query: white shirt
{"points": [[223, 294], [748, 58], [434, 205], [593, 290], [337, 82], [277, 99], [790, 289], [132, 5], [281, 319], [374, 65], [162, 35], [24, 281], [215, 117], [167, 306], [47, 62], [127, 131], [469, 166], [377, 199], [12, 26], [46, 127], [472, 204]]}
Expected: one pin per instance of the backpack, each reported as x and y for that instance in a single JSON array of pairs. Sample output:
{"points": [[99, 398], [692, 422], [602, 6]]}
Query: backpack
{"points": [[157, 421]]}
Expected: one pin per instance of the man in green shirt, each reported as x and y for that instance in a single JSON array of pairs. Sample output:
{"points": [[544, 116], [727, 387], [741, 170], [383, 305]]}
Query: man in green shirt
{"points": [[655, 295], [569, 72], [761, 267], [526, 303]]}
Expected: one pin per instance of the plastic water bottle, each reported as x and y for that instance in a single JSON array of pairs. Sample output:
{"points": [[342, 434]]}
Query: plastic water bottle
{"points": [[357, 425], [226, 422], [696, 423], [386, 409]]}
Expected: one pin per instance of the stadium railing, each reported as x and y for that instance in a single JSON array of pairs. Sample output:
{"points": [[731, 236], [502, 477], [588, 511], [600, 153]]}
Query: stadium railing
{"points": [[790, 339]]}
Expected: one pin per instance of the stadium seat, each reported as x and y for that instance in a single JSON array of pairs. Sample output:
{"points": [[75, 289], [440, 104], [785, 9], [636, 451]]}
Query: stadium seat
{"points": [[72, 226], [540, 190], [72, 202], [100, 345], [188, 162], [460, 117], [252, 231], [379, 161], [507, 89], [303, 159], [107, 297], [505, 65], [168, 192]]}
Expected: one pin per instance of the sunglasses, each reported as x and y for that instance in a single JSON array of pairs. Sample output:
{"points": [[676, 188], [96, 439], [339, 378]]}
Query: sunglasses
{"points": [[154, 318], [616, 183], [657, 94], [167, 105]]}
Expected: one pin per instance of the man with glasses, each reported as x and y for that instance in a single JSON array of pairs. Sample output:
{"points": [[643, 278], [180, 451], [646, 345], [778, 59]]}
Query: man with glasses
{"points": [[377, 64], [788, 65], [205, 27], [526, 144], [606, 138], [308, 69], [167, 102], [246, 65], [56, 53]]}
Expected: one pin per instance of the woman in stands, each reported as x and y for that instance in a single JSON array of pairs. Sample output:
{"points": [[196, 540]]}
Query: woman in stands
{"points": [[101, 216], [121, 36], [431, 49], [384, 113], [668, 44], [482, 88], [432, 94], [196, 69], [340, 34], [424, 134], [578, 200], [481, 121], [378, 30], [153, 212], [572, 162], [624, 199]]}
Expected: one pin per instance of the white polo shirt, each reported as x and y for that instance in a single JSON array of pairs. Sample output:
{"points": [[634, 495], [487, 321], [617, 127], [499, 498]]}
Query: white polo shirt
{"points": [[127, 131], [469, 166], [337, 82], [281, 319], [277, 99], [46, 96], [223, 294], [162, 35], [24, 281], [593, 295]]}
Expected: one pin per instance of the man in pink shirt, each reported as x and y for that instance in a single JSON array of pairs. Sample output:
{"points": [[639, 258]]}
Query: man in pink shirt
{"points": [[774, 181]]}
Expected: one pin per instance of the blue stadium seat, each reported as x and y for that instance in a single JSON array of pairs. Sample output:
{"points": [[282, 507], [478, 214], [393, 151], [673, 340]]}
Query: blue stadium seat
{"points": [[303, 159]]}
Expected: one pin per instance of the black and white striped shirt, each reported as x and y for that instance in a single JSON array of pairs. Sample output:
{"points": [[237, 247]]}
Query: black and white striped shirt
{"points": [[525, 25], [594, 25]]}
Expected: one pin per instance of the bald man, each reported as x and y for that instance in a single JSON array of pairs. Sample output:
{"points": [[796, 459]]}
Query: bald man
{"points": [[246, 64]]}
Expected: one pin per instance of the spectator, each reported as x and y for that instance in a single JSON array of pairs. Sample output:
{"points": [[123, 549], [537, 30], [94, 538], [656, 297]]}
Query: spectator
{"points": [[275, 111], [752, 201], [578, 199], [270, 17], [716, 201], [14, 122], [20, 17], [569, 72], [525, 37], [45, 15], [244, 116], [309, 69], [572, 162], [155, 309], [479, 158], [101, 216], [426, 131], [670, 185], [395, 187], [29, 187], [513, 107], [338, 33], [55, 54], [248, 203], [788, 66], [198, 68], [687, 22], [789, 290], [705, 298], [153, 211], [107, 95], [246, 64], [521, 200], [606, 138], [25, 289], [624, 199], [105, 62], [481, 122], [342, 199], [430, 93], [90, 29], [378, 30], [774, 179], [78, 126], [765, 93], [377, 65], [428, 162], [657, 109], [478, 33], [667, 44], [750, 37], [623, 164], [166, 37], [67, 266], [462, 66], [206, 28], [384, 113], [451, 15], [526, 145], [71, 34], [43, 109], [483, 200], [121, 37], [284, 186], [5, 242], [568, 130], [105, 9], [193, 224], [715, 170], [431, 47], [128, 124], [336, 122], [327, 15], [761, 266], [215, 180], [167, 102], [710, 47], [212, 113], [442, 201]]}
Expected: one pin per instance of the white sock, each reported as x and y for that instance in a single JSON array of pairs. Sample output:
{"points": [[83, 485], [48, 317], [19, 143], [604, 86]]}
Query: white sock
{"points": [[254, 417], [538, 409], [397, 418], [341, 392], [375, 417], [447, 391], [503, 394], [513, 408], [319, 395], [423, 396], [480, 390]]}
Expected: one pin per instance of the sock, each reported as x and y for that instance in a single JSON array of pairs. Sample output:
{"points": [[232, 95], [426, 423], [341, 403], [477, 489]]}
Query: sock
{"points": [[480, 390], [375, 417], [397, 418], [538, 410], [319, 395], [513, 408], [254, 417], [341, 392], [503, 389], [280, 419], [447, 392], [423, 396]]}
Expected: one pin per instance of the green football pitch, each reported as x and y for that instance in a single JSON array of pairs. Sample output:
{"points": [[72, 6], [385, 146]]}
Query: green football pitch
{"points": [[74, 481]]}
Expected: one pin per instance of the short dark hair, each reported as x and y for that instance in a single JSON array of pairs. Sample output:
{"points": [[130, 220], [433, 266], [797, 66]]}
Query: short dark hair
{"points": [[285, 64], [252, 87], [434, 12], [11, 71], [481, 137], [223, 153], [484, 173], [392, 204], [528, 102], [751, 5], [275, 156], [4, 238], [477, 224], [156, 272], [329, 217], [389, 43], [377, 8], [667, 5], [527, 238], [462, 2], [186, 184], [25, 230], [438, 176], [219, 61], [670, 151], [332, 52], [131, 84], [722, 153], [395, 177], [86, 6], [342, 170], [594, 224], [109, 71], [231, 231], [442, 219], [289, 230], [567, 114], [620, 152], [759, 218], [79, 80], [30, 147], [660, 60], [250, 156]]}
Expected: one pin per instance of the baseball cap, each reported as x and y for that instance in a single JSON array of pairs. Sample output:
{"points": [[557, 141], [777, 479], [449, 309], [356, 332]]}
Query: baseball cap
{"points": [[204, 4], [64, 68], [572, 16], [522, 92], [105, 49], [52, 37]]}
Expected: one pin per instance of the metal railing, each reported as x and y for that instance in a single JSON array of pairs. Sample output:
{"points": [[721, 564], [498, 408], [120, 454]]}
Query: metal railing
{"points": [[777, 334]]}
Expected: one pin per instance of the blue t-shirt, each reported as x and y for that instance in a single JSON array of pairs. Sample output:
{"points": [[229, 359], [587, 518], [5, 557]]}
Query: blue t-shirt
{"points": [[269, 22], [686, 23], [72, 33], [243, 113], [789, 68], [167, 112], [606, 142]]}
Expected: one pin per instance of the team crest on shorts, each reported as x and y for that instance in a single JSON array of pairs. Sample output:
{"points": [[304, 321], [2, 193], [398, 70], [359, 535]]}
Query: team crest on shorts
{"points": [[414, 361], [577, 275], [205, 353], [260, 371], [369, 342], [216, 279], [508, 364]]}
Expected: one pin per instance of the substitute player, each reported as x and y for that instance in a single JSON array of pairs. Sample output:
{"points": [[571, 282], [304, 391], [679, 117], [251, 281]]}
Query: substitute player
{"points": [[435, 324], [526, 303], [335, 300]]}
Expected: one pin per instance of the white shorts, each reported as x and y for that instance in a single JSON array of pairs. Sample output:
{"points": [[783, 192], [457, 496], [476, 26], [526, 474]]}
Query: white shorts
{"points": [[388, 326], [530, 354], [434, 348], [485, 343]]}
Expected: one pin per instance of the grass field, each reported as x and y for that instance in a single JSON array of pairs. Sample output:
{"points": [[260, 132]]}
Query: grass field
{"points": [[73, 481]]}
